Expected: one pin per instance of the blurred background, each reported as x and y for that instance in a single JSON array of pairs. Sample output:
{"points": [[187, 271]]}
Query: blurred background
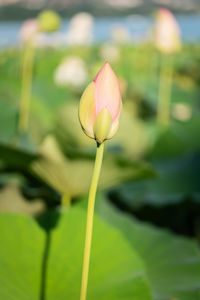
{"points": [[136, 16], [49, 52]]}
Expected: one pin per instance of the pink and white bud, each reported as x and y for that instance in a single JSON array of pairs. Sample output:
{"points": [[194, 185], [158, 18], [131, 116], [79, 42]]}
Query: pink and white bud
{"points": [[29, 30], [100, 106], [167, 32]]}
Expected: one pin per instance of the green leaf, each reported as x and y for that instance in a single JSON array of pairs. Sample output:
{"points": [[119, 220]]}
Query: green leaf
{"points": [[179, 139], [177, 180], [172, 262], [14, 157], [12, 200], [8, 120], [116, 271], [72, 176], [22, 243]]}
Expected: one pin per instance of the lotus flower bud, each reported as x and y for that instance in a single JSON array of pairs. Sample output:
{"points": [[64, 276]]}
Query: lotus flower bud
{"points": [[167, 34], [29, 30], [49, 21], [100, 106]]}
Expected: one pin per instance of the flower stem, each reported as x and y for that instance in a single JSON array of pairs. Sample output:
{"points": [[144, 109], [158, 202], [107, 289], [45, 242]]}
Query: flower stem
{"points": [[164, 99], [26, 88], [66, 199], [89, 224]]}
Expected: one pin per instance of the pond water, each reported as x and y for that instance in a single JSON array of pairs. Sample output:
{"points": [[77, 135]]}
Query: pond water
{"points": [[138, 27]]}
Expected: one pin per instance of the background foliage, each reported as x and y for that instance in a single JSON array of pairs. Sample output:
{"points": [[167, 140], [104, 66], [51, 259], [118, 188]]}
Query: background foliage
{"points": [[147, 224]]}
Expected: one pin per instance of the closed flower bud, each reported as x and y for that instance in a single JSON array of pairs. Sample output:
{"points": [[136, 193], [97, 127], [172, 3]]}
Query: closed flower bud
{"points": [[29, 30], [49, 21], [167, 33], [100, 106]]}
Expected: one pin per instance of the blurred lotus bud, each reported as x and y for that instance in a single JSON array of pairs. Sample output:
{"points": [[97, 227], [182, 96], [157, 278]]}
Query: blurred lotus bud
{"points": [[80, 29], [49, 21], [100, 106], [29, 30], [167, 32], [71, 72], [182, 112], [110, 52]]}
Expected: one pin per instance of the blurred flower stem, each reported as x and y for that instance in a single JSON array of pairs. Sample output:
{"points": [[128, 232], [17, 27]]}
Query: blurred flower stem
{"points": [[27, 69], [164, 97], [66, 199], [90, 215]]}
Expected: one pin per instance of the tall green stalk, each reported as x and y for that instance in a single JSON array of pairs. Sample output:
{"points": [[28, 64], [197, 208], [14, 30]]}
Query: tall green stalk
{"points": [[164, 97], [27, 70], [89, 224]]}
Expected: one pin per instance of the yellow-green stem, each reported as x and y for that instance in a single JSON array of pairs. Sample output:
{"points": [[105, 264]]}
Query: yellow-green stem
{"points": [[89, 224], [164, 98], [66, 199], [26, 88]]}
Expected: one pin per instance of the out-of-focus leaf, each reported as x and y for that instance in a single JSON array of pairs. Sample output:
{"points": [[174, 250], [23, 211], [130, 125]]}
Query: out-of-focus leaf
{"points": [[12, 200], [73, 177], [22, 243], [172, 262], [176, 180], [64, 175], [180, 138], [132, 135], [14, 157], [8, 121], [116, 271]]}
